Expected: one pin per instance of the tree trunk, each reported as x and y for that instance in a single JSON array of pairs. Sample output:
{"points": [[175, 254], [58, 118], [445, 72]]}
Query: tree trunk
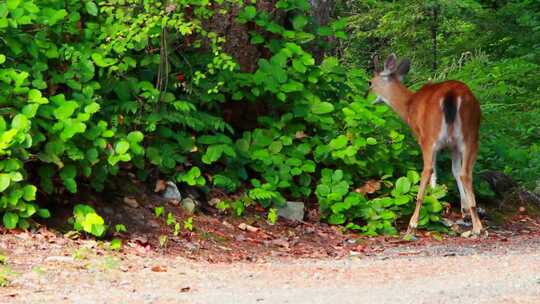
{"points": [[321, 11], [237, 38]]}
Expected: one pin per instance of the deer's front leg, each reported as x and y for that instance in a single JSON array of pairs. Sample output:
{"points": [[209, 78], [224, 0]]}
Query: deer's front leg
{"points": [[428, 155]]}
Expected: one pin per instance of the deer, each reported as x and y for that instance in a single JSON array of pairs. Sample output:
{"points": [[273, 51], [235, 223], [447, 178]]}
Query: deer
{"points": [[440, 115]]}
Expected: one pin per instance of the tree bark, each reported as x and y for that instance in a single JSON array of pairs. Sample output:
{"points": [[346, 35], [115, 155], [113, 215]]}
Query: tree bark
{"points": [[321, 10]]}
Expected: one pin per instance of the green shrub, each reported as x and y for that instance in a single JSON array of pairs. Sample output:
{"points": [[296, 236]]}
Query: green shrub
{"points": [[90, 88], [86, 219]]}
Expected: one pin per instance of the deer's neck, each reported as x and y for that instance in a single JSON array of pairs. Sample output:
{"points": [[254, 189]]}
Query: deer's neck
{"points": [[400, 99]]}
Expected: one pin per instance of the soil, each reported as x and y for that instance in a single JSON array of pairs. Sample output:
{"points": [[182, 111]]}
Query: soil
{"points": [[226, 259]]}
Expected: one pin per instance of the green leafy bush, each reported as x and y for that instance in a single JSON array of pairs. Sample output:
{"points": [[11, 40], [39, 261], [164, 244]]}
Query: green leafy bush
{"points": [[91, 88], [86, 219], [340, 205]]}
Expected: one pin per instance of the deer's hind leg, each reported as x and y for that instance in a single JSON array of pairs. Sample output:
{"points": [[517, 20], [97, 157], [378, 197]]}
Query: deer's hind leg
{"points": [[457, 163], [469, 157]]}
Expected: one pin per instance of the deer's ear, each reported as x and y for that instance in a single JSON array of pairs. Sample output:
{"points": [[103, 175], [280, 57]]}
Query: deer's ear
{"points": [[376, 65], [403, 68], [390, 64]]}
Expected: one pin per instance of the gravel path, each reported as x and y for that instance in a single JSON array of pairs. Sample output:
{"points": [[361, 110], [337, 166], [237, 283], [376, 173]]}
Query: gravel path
{"points": [[509, 274]]}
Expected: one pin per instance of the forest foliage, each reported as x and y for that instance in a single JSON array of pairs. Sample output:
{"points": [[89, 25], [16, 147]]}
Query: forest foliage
{"points": [[91, 89]]}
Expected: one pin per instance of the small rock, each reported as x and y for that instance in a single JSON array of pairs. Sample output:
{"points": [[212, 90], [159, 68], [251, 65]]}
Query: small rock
{"points": [[463, 223], [522, 209], [213, 202], [171, 193], [62, 259], [130, 201], [466, 234], [193, 193], [189, 205], [447, 222], [292, 211]]}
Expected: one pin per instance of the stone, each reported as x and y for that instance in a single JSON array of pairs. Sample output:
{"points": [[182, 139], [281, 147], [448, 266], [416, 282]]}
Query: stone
{"points": [[466, 234], [447, 222], [171, 193], [130, 201], [189, 205], [60, 259], [193, 193], [213, 202], [292, 211]]}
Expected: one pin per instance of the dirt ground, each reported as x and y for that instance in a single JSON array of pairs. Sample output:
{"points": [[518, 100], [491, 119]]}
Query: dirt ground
{"points": [[45, 267], [226, 259]]}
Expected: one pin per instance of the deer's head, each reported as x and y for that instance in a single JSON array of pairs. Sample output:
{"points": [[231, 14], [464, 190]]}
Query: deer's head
{"points": [[386, 82]]}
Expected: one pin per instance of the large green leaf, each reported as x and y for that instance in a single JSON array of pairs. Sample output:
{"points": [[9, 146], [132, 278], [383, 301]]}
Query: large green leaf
{"points": [[5, 179], [91, 8], [403, 185], [322, 108], [65, 110], [10, 220], [213, 153]]}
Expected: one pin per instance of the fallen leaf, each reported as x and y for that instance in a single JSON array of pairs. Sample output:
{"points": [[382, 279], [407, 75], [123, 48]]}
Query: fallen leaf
{"points": [[228, 225], [72, 234], [239, 238], [246, 227], [141, 239], [281, 243], [158, 268], [160, 185], [371, 186]]}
